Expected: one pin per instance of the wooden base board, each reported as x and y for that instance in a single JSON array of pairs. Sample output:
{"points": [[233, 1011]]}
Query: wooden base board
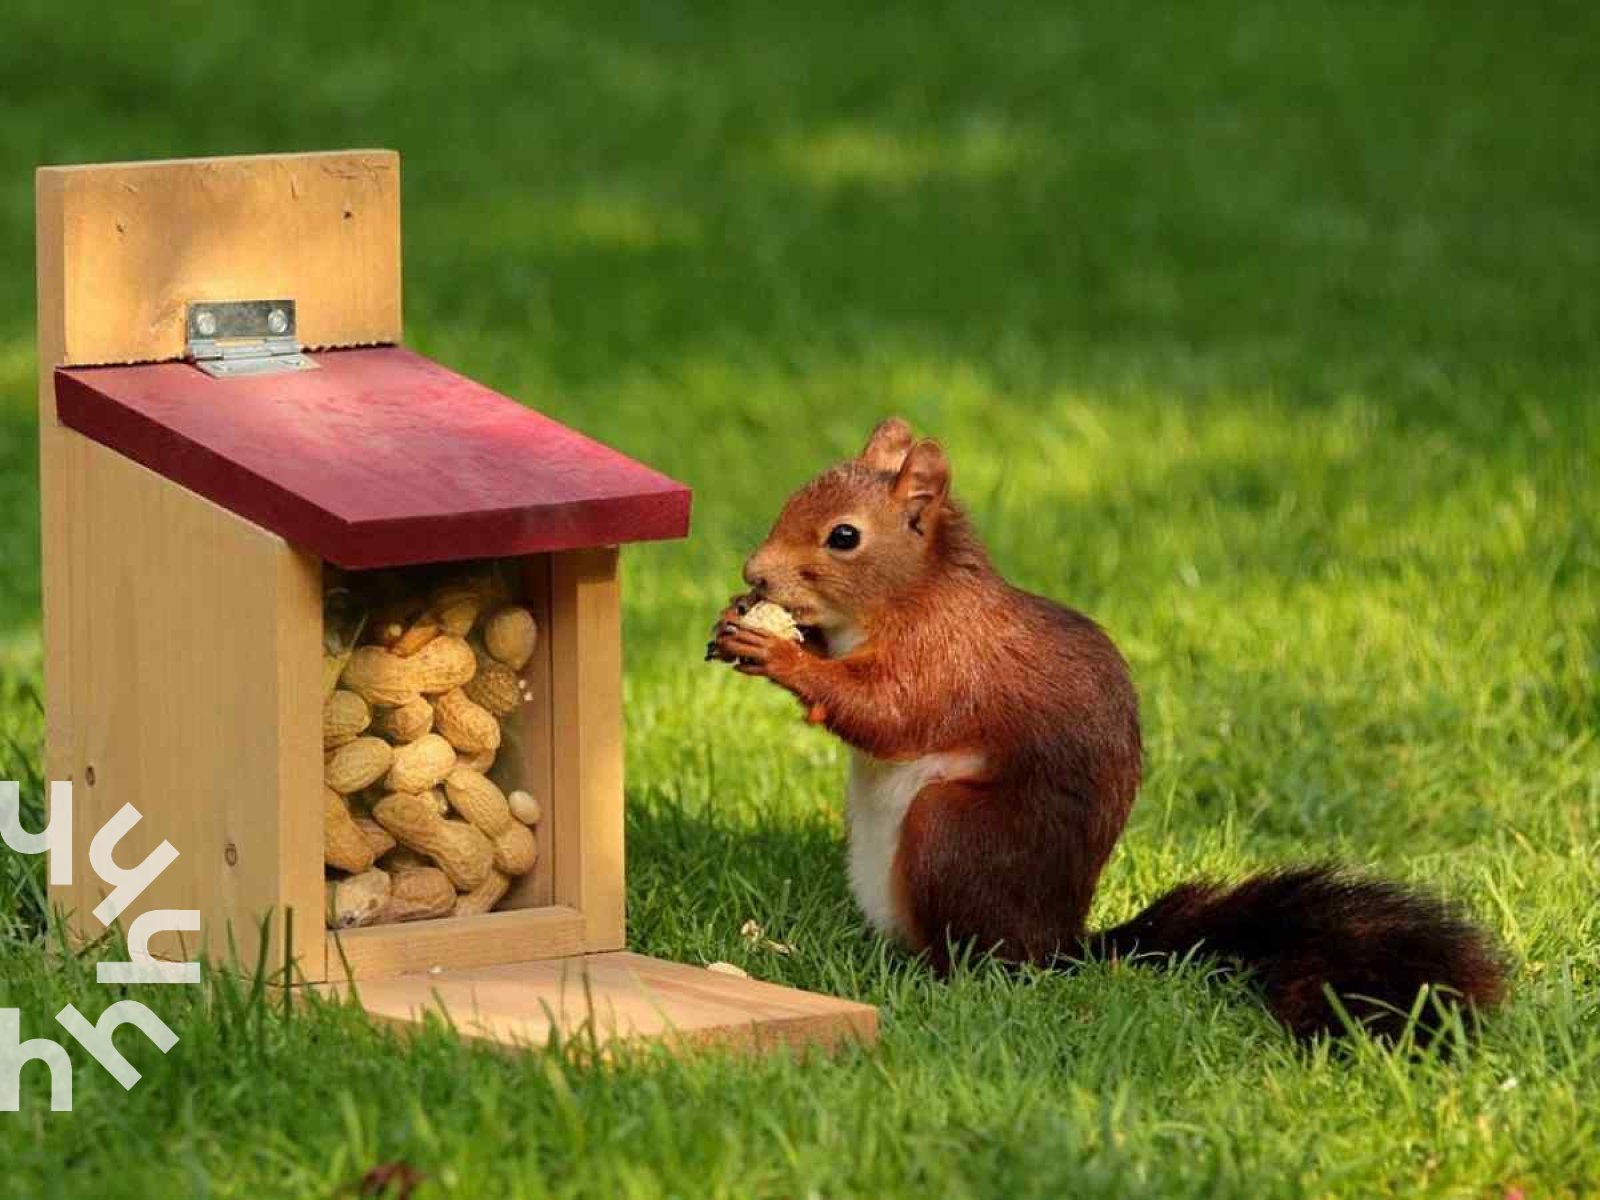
{"points": [[618, 996], [456, 942]]}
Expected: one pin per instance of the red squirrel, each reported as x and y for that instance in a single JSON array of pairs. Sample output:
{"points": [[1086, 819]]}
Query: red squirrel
{"points": [[997, 753]]}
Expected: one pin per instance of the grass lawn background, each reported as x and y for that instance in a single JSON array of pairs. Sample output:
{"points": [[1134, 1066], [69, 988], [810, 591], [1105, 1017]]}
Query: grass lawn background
{"points": [[1268, 335]]}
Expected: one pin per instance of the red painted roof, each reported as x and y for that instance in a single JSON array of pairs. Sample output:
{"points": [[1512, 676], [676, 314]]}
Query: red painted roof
{"points": [[380, 458]]}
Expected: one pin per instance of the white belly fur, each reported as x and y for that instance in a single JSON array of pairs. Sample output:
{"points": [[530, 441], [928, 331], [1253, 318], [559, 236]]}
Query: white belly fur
{"points": [[876, 802]]}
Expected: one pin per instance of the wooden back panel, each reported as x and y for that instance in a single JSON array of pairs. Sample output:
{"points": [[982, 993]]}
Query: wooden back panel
{"points": [[123, 248]]}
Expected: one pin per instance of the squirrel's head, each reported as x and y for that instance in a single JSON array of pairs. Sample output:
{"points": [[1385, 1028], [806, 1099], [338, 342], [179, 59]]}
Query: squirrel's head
{"points": [[861, 535]]}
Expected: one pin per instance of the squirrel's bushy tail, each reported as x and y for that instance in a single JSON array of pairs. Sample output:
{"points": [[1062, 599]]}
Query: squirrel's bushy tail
{"points": [[1303, 931]]}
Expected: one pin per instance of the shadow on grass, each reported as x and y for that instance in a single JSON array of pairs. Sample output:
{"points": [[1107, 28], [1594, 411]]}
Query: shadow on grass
{"points": [[697, 878]]}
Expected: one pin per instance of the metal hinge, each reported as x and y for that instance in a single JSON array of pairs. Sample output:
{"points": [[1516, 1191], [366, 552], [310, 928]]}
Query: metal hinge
{"points": [[231, 338]]}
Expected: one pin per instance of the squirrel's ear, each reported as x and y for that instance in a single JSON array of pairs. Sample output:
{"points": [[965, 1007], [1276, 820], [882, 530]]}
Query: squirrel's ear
{"points": [[923, 481], [886, 448]]}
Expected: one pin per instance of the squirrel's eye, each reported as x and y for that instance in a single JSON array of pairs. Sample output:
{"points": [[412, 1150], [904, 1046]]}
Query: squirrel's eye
{"points": [[844, 537]]}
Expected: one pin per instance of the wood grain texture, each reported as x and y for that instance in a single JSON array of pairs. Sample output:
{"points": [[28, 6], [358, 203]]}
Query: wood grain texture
{"points": [[454, 943], [54, 516], [133, 243], [619, 997], [586, 742], [194, 673], [380, 458]]}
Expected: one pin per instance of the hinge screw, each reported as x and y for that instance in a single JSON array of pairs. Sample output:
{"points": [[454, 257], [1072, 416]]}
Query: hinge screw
{"points": [[205, 324], [278, 321]]}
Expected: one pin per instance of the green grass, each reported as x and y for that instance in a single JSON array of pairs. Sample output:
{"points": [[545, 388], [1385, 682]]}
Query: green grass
{"points": [[1266, 334]]}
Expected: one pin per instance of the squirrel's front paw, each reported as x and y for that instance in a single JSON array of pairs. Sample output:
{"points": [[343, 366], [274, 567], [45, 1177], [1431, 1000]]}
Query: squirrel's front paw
{"points": [[727, 622], [755, 651]]}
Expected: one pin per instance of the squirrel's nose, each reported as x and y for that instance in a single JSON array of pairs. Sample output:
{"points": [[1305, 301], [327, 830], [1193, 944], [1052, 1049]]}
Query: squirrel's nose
{"points": [[754, 575]]}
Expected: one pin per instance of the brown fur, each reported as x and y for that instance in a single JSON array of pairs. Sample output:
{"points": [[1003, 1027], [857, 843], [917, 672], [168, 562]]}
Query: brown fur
{"points": [[949, 657]]}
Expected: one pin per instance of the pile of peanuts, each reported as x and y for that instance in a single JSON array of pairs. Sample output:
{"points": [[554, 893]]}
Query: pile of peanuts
{"points": [[412, 716]]}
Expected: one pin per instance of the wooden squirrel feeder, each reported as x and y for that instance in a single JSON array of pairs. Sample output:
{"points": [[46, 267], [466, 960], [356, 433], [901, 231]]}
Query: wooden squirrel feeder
{"points": [[228, 419]]}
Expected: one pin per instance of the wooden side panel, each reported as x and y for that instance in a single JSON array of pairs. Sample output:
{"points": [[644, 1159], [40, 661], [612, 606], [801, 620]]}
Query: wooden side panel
{"points": [[586, 715], [194, 689], [455, 943], [136, 242], [54, 518], [616, 997]]}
